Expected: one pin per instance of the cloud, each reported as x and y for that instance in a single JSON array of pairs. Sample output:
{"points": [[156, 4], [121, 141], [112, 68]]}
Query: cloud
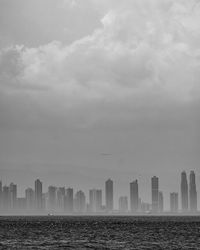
{"points": [[145, 53]]}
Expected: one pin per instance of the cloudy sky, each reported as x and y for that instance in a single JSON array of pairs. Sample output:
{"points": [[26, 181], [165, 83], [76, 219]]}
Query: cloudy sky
{"points": [[99, 88]]}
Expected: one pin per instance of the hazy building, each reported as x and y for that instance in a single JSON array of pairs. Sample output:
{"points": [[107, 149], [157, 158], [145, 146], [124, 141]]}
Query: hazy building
{"points": [[30, 198], [155, 194], [69, 200], [80, 202], [95, 200], [174, 202], [38, 195], [13, 196], [184, 191], [123, 204], [109, 195], [60, 198], [160, 202], [51, 197], [134, 196], [193, 192], [6, 198], [145, 207], [1, 196]]}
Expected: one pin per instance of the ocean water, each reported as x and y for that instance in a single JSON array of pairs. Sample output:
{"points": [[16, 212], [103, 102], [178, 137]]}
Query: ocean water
{"points": [[99, 232]]}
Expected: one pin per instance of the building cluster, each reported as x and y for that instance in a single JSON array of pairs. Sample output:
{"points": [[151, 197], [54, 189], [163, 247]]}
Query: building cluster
{"points": [[61, 200]]}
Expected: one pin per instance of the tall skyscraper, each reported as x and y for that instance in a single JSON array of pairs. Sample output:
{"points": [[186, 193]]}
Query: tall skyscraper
{"points": [[51, 197], [13, 196], [1, 196], [95, 200], [80, 202], [60, 198], [193, 192], [155, 194], [6, 198], [38, 194], [123, 204], [30, 198], [184, 191], [160, 202], [174, 202], [134, 196], [109, 195], [69, 200]]}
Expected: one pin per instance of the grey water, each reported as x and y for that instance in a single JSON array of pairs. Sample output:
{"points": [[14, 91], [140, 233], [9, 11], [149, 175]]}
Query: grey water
{"points": [[98, 232]]}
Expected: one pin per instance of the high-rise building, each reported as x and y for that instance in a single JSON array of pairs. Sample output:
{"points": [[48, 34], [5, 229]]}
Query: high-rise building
{"points": [[95, 200], [38, 194], [51, 197], [193, 192], [80, 202], [69, 200], [174, 202], [134, 196], [184, 191], [155, 194], [1, 196], [160, 202], [109, 195], [13, 196], [6, 198], [123, 204], [30, 198], [60, 198]]}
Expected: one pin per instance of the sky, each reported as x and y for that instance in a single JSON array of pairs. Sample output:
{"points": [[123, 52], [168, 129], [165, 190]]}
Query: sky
{"points": [[99, 88]]}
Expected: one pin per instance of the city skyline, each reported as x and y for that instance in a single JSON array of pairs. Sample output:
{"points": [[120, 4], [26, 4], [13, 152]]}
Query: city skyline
{"points": [[65, 200]]}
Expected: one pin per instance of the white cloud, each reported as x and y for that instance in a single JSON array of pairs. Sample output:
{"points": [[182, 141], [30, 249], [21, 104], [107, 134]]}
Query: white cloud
{"points": [[144, 48]]}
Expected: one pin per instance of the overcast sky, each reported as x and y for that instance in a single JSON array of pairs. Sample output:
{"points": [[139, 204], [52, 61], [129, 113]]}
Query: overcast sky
{"points": [[99, 88]]}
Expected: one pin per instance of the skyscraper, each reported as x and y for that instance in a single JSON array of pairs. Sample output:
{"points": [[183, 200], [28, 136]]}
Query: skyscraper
{"points": [[123, 204], [184, 191], [174, 202], [109, 195], [38, 194], [193, 192], [160, 202], [1, 195], [6, 198], [95, 200], [13, 196], [69, 200], [60, 198], [29, 196], [51, 197], [134, 196], [155, 194], [80, 202]]}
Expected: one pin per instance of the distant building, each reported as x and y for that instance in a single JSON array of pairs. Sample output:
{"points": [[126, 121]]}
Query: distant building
{"points": [[1, 196], [38, 195], [13, 196], [134, 196], [30, 198], [155, 194], [184, 192], [109, 195], [160, 202], [174, 202], [60, 198], [51, 197], [95, 200], [69, 200], [193, 192], [6, 198], [123, 204], [80, 202]]}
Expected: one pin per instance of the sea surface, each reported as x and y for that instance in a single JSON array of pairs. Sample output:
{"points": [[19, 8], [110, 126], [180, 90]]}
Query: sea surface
{"points": [[95, 232]]}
